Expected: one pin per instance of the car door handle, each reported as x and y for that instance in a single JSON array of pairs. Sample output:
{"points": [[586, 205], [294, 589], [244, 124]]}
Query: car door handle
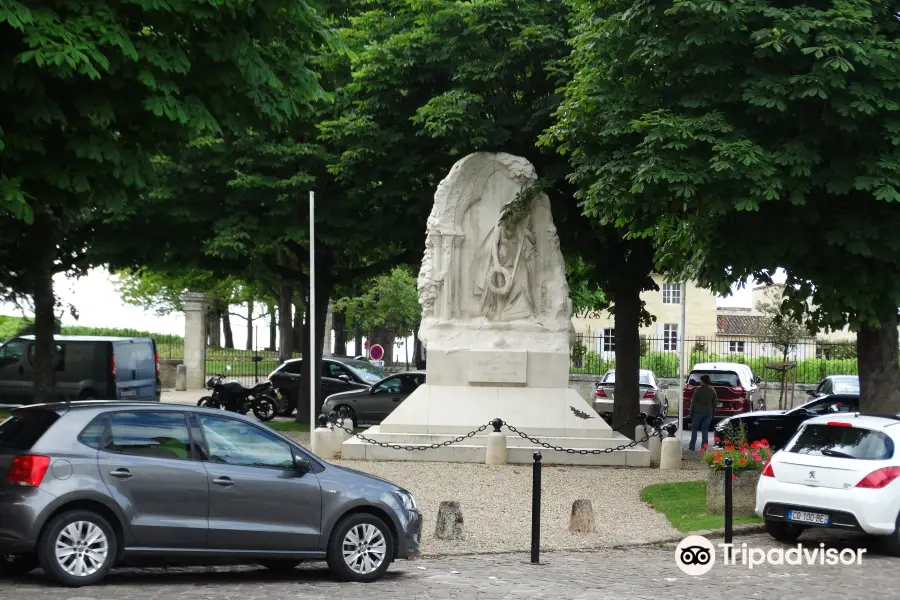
{"points": [[398, 399], [121, 474], [223, 481]]}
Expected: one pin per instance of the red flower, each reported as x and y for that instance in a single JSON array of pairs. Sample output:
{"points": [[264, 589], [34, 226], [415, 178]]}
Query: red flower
{"points": [[729, 448], [727, 441], [718, 456], [734, 477], [743, 461], [764, 443], [704, 446]]}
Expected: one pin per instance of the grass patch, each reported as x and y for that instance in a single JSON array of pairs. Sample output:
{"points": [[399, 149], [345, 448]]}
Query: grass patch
{"points": [[684, 505]]}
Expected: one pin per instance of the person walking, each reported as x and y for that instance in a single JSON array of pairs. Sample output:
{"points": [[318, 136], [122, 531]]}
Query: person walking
{"points": [[703, 405]]}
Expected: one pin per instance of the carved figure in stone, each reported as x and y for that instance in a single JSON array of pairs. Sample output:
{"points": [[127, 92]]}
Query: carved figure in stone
{"points": [[506, 279]]}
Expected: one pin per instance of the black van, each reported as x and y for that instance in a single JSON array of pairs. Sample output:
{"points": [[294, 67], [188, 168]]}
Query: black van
{"points": [[88, 368]]}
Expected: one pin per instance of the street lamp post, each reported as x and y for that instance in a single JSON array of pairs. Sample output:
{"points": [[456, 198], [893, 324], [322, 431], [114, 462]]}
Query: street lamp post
{"points": [[312, 320]]}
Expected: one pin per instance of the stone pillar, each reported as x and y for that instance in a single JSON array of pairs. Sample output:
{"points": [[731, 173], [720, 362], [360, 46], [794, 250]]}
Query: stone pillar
{"points": [[196, 307], [670, 455]]}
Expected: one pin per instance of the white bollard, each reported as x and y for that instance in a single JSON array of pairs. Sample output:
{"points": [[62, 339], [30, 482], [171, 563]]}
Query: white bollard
{"points": [[670, 455], [495, 452], [655, 447], [639, 434], [180, 378], [337, 438], [322, 442]]}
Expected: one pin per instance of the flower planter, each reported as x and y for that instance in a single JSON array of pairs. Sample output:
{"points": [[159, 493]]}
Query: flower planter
{"points": [[743, 493]]}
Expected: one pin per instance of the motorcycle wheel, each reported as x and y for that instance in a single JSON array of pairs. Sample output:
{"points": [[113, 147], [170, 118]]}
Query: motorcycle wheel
{"points": [[208, 402], [265, 409]]}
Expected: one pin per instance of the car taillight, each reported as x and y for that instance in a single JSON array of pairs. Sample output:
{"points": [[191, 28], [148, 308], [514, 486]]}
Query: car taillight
{"points": [[156, 359], [28, 470], [650, 394], [880, 478], [767, 469], [738, 390], [839, 424], [601, 393]]}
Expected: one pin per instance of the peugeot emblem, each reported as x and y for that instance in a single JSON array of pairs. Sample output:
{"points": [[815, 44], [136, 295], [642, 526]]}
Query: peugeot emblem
{"points": [[812, 474]]}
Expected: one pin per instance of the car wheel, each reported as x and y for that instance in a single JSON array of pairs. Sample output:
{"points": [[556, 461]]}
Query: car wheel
{"points": [[77, 548], [351, 414], [783, 532], [14, 565], [891, 543], [360, 549], [280, 565]]}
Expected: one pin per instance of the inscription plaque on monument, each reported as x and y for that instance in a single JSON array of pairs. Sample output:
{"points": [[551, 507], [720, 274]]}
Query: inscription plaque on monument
{"points": [[498, 367]]}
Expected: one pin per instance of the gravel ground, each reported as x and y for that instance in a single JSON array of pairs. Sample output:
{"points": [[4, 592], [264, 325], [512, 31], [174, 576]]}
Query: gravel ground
{"points": [[496, 502]]}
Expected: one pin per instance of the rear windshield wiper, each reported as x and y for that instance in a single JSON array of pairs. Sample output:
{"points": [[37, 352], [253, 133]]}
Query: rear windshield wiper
{"points": [[837, 454]]}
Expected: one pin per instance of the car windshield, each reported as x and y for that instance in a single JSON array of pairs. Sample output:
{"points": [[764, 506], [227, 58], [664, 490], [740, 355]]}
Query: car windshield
{"points": [[366, 371], [845, 442], [720, 378], [644, 378], [846, 385]]}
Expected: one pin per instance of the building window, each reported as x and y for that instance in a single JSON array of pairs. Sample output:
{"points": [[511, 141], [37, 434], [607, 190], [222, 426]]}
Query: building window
{"points": [[736, 347], [609, 340], [671, 293], [670, 338]]}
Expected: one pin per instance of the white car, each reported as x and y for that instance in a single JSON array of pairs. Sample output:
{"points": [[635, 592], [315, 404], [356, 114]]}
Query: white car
{"points": [[839, 471]]}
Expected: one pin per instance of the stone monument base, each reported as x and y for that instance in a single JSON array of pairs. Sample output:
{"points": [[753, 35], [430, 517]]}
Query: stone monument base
{"points": [[434, 414]]}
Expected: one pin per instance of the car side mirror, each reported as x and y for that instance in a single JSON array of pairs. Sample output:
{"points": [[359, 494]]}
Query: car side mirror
{"points": [[344, 377], [302, 465]]}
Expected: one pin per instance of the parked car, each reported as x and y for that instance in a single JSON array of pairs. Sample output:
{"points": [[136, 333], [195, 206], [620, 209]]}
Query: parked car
{"points": [[653, 397], [373, 404], [836, 384], [88, 486], [338, 375], [736, 388], [839, 472], [87, 368], [779, 426]]}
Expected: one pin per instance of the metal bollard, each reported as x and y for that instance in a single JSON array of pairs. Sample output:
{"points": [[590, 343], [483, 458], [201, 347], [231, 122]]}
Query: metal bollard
{"points": [[536, 510], [729, 474]]}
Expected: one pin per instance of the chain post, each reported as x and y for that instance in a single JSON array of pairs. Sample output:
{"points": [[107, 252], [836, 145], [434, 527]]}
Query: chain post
{"points": [[536, 509]]}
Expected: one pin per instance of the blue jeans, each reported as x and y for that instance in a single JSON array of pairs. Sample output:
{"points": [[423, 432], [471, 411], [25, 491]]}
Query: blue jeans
{"points": [[700, 421]]}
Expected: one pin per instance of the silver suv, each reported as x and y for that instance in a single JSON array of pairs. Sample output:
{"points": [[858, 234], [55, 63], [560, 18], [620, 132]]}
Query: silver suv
{"points": [[90, 485]]}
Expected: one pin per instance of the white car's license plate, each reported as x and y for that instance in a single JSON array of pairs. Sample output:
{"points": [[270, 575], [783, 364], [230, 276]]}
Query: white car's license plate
{"points": [[127, 393], [807, 517]]}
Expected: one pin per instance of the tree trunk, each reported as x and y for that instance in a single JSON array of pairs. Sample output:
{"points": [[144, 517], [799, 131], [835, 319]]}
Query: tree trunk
{"points": [[301, 332], [44, 360], [626, 406], [357, 341], [384, 338], [285, 330], [299, 311], [226, 327], [273, 328], [214, 328], [340, 333], [879, 367], [250, 328]]}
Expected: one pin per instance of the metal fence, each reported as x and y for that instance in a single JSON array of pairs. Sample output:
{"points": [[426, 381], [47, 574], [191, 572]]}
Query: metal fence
{"points": [[595, 354]]}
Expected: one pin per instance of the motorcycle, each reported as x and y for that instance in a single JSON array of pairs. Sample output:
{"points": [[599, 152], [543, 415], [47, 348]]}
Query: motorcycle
{"points": [[263, 398]]}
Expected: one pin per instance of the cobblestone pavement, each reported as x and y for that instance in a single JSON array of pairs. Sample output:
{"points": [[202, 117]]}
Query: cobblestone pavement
{"points": [[622, 574]]}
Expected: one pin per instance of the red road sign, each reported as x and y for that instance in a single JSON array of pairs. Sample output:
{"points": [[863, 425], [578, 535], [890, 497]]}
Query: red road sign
{"points": [[376, 352]]}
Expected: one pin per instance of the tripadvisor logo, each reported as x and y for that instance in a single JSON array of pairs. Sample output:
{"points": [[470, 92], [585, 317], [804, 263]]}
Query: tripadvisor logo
{"points": [[695, 555]]}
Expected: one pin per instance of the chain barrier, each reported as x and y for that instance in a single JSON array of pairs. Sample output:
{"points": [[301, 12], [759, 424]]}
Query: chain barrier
{"points": [[648, 423]]}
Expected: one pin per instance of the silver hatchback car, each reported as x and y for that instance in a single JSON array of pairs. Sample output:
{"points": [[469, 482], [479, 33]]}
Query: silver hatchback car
{"points": [[89, 485], [653, 396]]}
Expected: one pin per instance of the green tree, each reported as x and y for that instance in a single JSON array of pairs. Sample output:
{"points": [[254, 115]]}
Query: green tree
{"points": [[436, 80], [100, 89], [747, 136], [781, 330]]}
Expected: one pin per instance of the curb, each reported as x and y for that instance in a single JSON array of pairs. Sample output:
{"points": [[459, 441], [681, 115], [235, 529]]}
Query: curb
{"points": [[749, 528]]}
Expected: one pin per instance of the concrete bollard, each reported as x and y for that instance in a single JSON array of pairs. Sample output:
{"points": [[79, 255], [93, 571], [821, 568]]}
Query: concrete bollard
{"points": [[670, 454], [180, 378], [582, 520], [322, 441], [655, 447], [449, 522], [495, 452]]}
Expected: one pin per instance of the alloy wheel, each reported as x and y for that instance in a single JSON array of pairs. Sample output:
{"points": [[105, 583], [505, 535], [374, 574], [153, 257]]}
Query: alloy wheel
{"points": [[81, 548], [364, 548]]}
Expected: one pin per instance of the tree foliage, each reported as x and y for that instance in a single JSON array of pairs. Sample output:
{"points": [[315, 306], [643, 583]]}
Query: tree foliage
{"points": [[102, 88], [391, 301], [747, 136]]}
